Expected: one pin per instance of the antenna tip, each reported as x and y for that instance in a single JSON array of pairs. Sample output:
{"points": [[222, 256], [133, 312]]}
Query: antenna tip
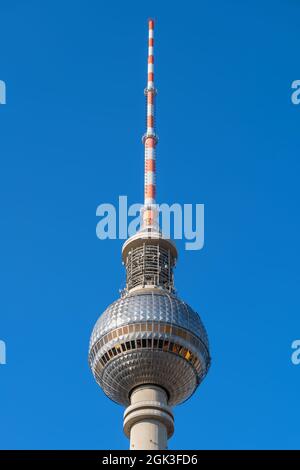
{"points": [[151, 23]]}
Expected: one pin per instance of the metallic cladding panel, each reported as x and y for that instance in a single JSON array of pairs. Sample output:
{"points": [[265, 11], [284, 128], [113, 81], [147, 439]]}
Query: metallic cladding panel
{"points": [[141, 367], [149, 306], [131, 368]]}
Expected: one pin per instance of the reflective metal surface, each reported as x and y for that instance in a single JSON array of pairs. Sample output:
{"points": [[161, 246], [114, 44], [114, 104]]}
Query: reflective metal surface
{"points": [[157, 354], [149, 306]]}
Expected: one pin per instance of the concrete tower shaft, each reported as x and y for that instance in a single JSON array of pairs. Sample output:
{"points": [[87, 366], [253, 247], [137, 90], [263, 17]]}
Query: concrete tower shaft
{"points": [[148, 421]]}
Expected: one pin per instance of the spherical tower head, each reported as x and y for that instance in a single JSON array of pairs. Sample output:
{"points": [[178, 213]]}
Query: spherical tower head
{"points": [[149, 336]]}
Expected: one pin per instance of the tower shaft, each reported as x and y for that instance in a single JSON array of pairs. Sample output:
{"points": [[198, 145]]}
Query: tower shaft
{"points": [[148, 421]]}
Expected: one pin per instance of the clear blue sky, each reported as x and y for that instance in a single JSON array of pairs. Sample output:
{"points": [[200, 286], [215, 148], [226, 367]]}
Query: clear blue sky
{"points": [[70, 139]]}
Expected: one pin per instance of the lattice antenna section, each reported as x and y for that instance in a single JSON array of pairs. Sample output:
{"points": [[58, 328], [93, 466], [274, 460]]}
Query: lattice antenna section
{"points": [[150, 265]]}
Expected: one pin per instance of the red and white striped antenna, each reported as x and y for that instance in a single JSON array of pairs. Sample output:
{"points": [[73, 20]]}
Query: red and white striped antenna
{"points": [[150, 140]]}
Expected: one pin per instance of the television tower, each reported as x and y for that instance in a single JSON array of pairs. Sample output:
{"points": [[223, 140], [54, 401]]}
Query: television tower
{"points": [[149, 350]]}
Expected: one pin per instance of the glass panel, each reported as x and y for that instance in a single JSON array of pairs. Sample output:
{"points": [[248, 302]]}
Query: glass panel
{"points": [[182, 351], [168, 329]]}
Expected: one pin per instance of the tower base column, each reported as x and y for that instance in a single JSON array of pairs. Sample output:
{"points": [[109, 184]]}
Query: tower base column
{"points": [[148, 421]]}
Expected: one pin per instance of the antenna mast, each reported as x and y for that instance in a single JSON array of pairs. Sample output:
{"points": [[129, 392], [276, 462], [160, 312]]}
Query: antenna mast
{"points": [[150, 140]]}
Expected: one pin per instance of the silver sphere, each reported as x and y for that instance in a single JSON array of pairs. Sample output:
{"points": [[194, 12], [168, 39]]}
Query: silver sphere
{"points": [[149, 336]]}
